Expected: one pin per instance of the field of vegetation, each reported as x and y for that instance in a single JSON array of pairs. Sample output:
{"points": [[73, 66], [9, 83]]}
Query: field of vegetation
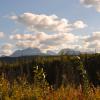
{"points": [[25, 91], [50, 78]]}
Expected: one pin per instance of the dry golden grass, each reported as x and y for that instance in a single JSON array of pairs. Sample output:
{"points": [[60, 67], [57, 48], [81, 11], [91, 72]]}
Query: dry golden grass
{"points": [[25, 91]]}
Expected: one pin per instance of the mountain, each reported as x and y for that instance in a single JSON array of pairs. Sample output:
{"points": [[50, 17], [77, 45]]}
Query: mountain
{"points": [[27, 52], [36, 51], [69, 52], [49, 52]]}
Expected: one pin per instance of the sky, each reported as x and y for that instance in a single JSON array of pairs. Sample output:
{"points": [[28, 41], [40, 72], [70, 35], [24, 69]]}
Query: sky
{"points": [[49, 25]]}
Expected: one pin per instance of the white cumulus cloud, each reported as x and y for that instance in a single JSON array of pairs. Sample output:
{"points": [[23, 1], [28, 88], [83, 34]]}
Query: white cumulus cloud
{"points": [[94, 37], [27, 44], [1, 34], [42, 22], [7, 46], [92, 3], [42, 39], [6, 49], [93, 41], [47, 32], [22, 36], [79, 24]]}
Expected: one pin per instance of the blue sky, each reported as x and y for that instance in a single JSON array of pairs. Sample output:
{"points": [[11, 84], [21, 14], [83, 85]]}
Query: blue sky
{"points": [[86, 11]]}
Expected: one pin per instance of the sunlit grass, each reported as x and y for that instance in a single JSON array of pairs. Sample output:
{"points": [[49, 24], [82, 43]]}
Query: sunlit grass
{"points": [[26, 91]]}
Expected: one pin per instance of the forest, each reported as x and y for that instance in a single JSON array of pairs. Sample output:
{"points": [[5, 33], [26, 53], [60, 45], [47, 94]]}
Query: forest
{"points": [[54, 77]]}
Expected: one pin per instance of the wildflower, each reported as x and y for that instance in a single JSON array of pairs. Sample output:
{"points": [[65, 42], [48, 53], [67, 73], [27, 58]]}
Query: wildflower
{"points": [[84, 71], [37, 67], [43, 75], [78, 57]]}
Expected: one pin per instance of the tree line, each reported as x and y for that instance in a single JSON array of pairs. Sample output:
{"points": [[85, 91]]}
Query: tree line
{"points": [[59, 70]]}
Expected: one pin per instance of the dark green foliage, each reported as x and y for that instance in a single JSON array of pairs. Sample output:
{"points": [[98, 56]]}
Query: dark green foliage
{"points": [[58, 69], [83, 74], [39, 77]]}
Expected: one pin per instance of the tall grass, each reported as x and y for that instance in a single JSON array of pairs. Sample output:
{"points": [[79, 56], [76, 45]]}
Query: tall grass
{"points": [[41, 90], [26, 91]]}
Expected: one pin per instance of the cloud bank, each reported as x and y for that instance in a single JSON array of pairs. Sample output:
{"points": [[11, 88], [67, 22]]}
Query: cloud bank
{"points": [[42, 22], [47, 32], [92, 3], [35, 22], [6, 49], [1, 34], [93, 42]]}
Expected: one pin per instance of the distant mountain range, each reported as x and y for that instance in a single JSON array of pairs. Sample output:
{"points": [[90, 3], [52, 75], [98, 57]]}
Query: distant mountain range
{"points": [[26, 52], [37, 51], [51, 53], [30, 52], [69, 52]]}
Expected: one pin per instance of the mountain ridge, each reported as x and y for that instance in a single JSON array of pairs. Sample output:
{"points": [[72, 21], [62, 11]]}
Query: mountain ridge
{"points": [[37, 51]]}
